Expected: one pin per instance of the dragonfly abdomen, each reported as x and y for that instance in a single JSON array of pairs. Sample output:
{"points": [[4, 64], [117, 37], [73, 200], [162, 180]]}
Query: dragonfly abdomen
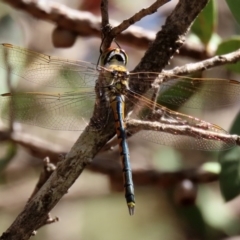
{"points": [[118, 109]]}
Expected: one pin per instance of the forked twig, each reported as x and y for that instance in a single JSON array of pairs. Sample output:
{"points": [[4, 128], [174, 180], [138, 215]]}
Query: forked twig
{"points": [[137, 17], [48, 169]]}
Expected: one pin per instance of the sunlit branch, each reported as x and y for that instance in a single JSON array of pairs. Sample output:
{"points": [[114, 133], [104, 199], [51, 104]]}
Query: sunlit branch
{"points": [[181, 129], [203, 65], [137, 17]]}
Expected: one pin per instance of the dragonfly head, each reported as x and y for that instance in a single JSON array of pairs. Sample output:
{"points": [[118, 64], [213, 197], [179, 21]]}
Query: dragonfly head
{"points": [[114, 56]]}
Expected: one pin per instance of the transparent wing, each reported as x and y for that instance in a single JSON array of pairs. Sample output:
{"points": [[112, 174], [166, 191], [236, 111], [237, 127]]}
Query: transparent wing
{"points": [[200, 93], [68, 111], [198, 134], [47, 70]]}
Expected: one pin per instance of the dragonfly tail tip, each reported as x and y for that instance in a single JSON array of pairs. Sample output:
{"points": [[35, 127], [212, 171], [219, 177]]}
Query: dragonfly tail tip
{"points": [[131, 209]]}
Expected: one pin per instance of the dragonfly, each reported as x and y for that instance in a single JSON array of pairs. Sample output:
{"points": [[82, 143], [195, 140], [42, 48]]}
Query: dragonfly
{"points": [[111, 88]]}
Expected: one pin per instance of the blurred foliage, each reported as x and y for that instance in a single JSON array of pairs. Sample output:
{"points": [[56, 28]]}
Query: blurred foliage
{"points": [[230, 165], [205, 24], [227, 46], [234, 6]]}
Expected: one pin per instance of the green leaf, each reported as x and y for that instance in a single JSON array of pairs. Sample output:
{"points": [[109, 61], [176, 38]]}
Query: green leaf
{"points": [[229, 178], [228, 46], [230, 165], [205, 24], [234, 6]]}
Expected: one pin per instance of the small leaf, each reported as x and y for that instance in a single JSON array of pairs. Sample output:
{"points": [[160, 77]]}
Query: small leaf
{"points": [[229, 177], [228, 46], [230, 165], [205, 24], [234, 6]]}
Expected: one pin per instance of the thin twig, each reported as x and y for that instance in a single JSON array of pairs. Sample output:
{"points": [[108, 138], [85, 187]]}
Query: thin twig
{"points": [[104, 13], [181, 129], [137, 17], [128, 22], [48, 169], [203, 65], [106, 27]]}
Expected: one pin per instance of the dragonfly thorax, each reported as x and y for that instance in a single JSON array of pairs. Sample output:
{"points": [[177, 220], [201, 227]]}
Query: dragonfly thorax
{"points": [[119, 82]]}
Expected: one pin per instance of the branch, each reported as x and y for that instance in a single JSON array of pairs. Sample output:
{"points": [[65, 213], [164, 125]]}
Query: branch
{"points": [[145, 177], [80, 22], [104, 13], [38, 148], [48, 169], [114, 32], [137, 17], [184, 130], [203, 65], [83, 23], [169, 39], [86, 24]]}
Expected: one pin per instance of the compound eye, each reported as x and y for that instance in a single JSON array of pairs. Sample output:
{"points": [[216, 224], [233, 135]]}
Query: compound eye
{"points": [[115, 54]]}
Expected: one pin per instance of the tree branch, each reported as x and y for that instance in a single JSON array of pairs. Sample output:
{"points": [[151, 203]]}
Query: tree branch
{"points": [[203, 65], [104, 13], [114, 32], [184, 130], [137, 17], [39, 148], [80, 22], [86, 24], [48, 169], [169, 39], [145, 177]]}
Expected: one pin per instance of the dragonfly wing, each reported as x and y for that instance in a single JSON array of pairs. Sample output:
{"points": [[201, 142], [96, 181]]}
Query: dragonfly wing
{"points": [[179, 130], [190, 137], [195, 141], [200, 93], [189, 92], [69, 111], [47, 70]]}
